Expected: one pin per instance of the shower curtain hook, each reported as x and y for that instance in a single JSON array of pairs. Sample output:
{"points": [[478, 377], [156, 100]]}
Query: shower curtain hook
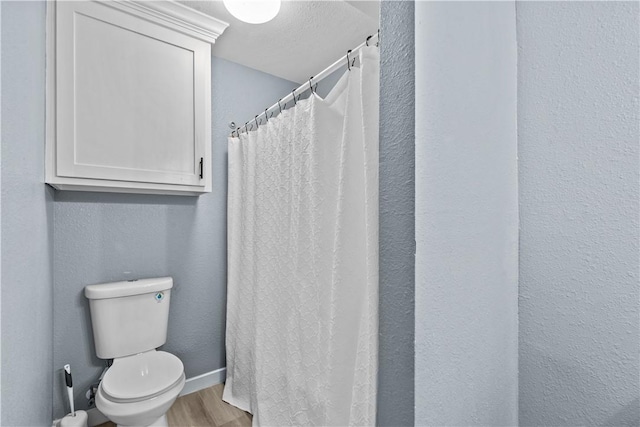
{"points": [[266, 117], [311, 84], [378, 42], [294, 97], [256, 119], [367, 41], [348, 60], [280, 106]]}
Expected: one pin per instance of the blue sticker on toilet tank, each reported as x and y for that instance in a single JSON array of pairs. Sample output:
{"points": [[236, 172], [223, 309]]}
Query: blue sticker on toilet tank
{"points": [[159, 296]]}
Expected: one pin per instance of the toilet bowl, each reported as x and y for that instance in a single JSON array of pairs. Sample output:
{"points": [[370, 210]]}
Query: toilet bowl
{"points": [[129, 322], [138, 390]]}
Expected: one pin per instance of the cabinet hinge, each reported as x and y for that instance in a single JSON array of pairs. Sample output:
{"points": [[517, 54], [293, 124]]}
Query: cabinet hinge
{"points": [[201, 168]]}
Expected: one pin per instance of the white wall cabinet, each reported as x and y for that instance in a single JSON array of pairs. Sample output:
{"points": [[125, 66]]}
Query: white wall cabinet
{"points": [[129, 105]]}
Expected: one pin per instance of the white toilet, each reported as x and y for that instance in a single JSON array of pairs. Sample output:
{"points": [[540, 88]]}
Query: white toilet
{"points": [[129, 322]]}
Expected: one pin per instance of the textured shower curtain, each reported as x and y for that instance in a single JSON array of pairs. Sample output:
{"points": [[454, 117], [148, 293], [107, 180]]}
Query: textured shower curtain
{"points": [[302, 297]]}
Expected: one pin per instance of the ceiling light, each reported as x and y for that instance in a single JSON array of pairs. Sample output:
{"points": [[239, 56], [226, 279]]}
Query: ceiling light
{"points": [[253, 11]]}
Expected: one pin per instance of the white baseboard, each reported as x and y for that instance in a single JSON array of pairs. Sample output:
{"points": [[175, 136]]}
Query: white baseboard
{"points": [[203, 381], [192, 385]]}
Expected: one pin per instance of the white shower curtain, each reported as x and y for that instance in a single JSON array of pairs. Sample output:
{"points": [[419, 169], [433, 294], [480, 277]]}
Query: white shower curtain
{"points": [[302, 297]]}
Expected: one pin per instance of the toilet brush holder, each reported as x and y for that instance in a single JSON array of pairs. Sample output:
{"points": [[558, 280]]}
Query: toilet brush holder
{"points": [[77, 419]]}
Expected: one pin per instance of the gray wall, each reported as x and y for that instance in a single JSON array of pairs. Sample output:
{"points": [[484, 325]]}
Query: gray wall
{"points": [[102, 237], [27, 212], [579, 182], [0, 214], [466, 357], [397, 245]]}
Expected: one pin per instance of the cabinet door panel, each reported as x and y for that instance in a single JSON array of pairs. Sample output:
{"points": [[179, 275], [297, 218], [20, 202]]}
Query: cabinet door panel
{"points": [[129, 100]]}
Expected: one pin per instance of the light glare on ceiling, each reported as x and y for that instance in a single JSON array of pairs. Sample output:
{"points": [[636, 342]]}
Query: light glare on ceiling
{"points": [[253, 11]]}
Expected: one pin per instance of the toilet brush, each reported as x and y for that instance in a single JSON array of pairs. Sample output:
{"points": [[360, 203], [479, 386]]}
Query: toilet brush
{"points": [[74, 419], [69, 381]]}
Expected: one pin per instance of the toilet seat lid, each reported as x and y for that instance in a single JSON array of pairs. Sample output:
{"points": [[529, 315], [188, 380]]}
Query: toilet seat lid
{"points": [[142, 375]]}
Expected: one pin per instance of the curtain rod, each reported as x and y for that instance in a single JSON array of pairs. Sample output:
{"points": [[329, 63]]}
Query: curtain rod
{"points": [[314, 79]]}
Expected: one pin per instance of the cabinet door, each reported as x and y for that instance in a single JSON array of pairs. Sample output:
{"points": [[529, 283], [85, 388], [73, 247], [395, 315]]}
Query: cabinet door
{"points": [[130, 99]]}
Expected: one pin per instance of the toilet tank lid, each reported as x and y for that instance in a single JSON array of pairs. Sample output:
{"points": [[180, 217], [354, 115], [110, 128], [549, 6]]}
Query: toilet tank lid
{"points": [[128, 288]]}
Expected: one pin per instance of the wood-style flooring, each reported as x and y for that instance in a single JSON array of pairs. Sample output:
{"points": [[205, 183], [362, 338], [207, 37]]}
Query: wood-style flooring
{"points": [[204, 408]]}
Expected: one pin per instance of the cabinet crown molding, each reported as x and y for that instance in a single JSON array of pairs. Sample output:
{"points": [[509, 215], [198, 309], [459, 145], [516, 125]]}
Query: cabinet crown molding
{"points": [[174, 15]]}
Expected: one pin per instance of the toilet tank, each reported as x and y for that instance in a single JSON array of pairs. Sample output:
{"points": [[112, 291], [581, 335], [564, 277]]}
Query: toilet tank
{"points": [[129, 317]]}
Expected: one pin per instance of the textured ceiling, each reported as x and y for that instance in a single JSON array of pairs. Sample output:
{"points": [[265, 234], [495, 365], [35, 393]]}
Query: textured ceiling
{"points": [[301, 41]]}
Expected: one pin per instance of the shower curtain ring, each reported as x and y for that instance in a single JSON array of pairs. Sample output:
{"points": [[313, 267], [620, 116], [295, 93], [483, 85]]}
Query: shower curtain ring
{"points": [[367, 41], [280, 106], [256, 120], [266, 117], [311, 84], [348, 60], [294, 97]]}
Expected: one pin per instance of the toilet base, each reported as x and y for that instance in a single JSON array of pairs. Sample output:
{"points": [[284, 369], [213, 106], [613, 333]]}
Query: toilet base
{"points": [[160, 422]]}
